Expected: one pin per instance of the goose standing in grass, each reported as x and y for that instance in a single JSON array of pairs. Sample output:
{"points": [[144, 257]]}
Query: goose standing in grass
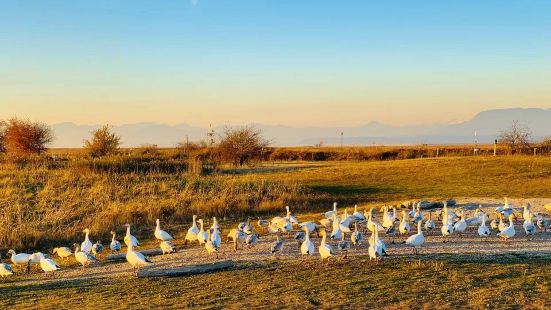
{"points": [[300, 236], [309, 227], [62, 252], [325, 250], [291, 218], [529, 227], [418, 215], [509, 232], [307, 247], [215, 226], [215, 237], [202, 236], [34, 259], [483, 230], [161, 234], [329, 214], [475, 220], [326, 223], [235, 235], [429, 224], [542, 222], [357, 214], [136, 259], [357, 236], [388, 218], [85, 259], [336, 233], [506, 209], [21, 259], [49, 265], [404, 227], [251, 240], [167, 247], [344, 246], [211, 246], [501, 226], [97, 248], [192, 232], [129, 239], [277, 246], [461, 225], [417, 240], [246, 227], [114, 246], [374, 251], [527, 212], [263, 224], [371, 224], [494, 224], [5, 269], [86, 245], [447, 226]]}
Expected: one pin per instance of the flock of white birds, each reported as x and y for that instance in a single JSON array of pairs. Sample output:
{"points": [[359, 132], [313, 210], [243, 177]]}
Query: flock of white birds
{"points": [[354, 226]]}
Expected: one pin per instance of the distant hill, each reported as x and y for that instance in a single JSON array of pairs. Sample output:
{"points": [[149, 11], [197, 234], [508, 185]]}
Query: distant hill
{"points": [[487, 125]]}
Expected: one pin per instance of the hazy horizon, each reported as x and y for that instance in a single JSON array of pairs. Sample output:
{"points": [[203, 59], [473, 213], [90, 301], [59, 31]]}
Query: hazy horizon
{"points": [[291, 63]]}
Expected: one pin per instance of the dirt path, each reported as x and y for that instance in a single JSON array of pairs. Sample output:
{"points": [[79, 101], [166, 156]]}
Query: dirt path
{"points": [[469, 244]]}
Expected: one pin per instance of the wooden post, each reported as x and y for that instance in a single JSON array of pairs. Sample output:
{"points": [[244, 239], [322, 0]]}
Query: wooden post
{"points": [[437, 151], [535, 151], [495, 147]]}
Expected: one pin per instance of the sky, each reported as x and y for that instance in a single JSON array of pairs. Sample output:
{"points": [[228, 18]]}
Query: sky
{"points": [[288, 62]]}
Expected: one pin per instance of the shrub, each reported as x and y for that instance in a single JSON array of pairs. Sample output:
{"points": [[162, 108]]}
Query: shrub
{"points": [[24, 137], [242, 145], [103, 142], [516, 137]]}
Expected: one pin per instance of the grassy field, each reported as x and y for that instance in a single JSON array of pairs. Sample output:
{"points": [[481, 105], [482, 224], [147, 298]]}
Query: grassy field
{"points": [[500, 282], [42, 203]]}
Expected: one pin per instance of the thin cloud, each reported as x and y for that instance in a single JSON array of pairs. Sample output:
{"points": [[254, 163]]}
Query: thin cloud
{"points": [[194, 2]]}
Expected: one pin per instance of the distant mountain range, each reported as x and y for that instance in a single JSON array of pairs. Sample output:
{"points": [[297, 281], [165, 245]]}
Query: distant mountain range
{"points": [[487, 125]]}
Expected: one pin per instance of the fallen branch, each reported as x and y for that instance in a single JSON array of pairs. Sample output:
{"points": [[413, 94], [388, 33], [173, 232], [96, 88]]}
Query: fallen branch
{"points": [[187, 270], [122, 256]]}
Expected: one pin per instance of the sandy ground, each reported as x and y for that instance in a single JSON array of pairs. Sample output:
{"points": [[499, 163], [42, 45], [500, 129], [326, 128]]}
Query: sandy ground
{"points": [[468, 244]]}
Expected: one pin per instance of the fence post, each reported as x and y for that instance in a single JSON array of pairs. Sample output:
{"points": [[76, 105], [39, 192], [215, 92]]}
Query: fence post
{"points": [[437, 151], [495, 147], [535, 151]]}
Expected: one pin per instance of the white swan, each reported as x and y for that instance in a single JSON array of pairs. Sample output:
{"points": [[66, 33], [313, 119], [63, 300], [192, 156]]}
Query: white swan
{"points": [[508, 232], [5, 269], [129, 239], [62, 252], [417, 240], [86, 245], [136, 259], [192, 232], [202, 236], [49, 265], [161, 234], [483, 230], [325, 250], [114, 246]]}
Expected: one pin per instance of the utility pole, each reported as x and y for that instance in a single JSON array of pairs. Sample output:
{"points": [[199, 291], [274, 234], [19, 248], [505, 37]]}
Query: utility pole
{"points": [[342, 133], [210, 135], [495, 147], [475, 143]]}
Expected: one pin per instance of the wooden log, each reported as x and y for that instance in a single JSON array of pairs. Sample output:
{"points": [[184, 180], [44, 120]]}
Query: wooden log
{"points": [[187, 270], [122, 256]]}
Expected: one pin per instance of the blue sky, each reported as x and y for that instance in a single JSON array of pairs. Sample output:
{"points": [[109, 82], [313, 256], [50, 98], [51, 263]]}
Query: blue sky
{"points": [[218, 61]]}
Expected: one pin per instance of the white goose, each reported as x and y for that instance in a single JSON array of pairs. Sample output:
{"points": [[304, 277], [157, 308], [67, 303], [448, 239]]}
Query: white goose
{"points": [[336, 233], [192, 232], [508, 232], [85, 259], [114, 246], [86, 245], [290, 217], [447, 226], [461, 225], [527, 212], [277, 246], [501, 225], [21, 259], [210, 246], [215, 226], [357, 214], [388, 218], [329, 214], [309, 227], [483, 230], [357, 236], [136, 259], [5, 269], [325, 250], [417, 240], [49, 265], [251, 240], [404, 227], [62, 252], [307, 246], [529, 226], [167, 247], [215, 237], [129, 239], [202, 236], [506, 209], [371, 224], [161, 234], [235, 235], [429, 224], [374, 251]]}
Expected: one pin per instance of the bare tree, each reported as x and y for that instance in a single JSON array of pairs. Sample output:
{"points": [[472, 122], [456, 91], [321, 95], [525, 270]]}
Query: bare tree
{"points": [[25, 137], [242, 144], [516, 137], [103, 142]]}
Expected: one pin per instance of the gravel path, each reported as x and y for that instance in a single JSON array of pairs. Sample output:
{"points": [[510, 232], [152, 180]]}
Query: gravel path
{"points": [[469, 244]]}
